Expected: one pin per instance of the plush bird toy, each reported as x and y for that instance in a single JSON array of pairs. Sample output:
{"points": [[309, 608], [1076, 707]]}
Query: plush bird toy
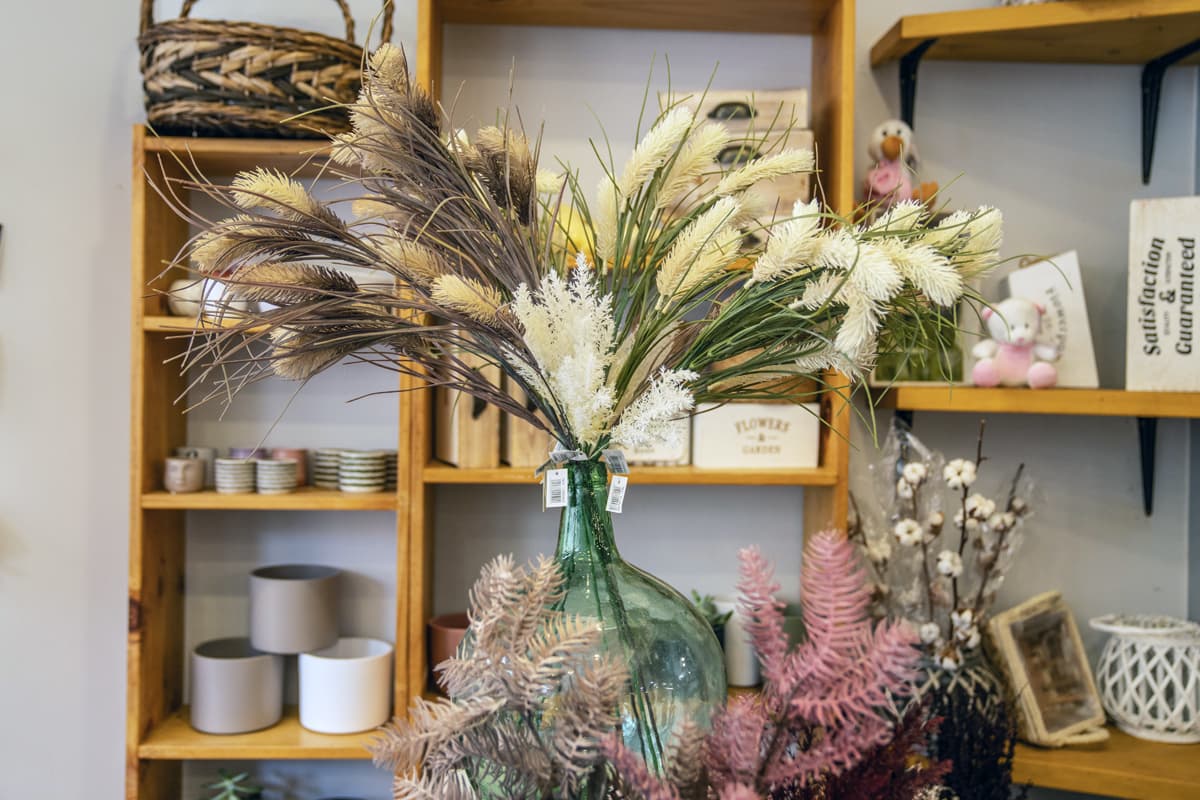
{"points": [[890, 180]]}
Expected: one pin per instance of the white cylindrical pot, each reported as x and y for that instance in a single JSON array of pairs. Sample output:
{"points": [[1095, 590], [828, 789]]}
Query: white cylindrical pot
{"points": [[235, 688], [741, 663], [346, 688], [293, 608]]}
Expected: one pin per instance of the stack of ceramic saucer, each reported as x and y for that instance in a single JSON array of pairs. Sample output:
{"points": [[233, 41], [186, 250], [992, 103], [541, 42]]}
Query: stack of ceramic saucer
{"points": [[235, 475], [276, 476], [362, 471], [390, 460], [325, 465]]}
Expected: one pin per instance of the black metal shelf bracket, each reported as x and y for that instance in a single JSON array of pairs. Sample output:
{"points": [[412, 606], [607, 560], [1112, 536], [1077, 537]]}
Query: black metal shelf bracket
{"points": [[1152, 81], [1147, 438], [909, 63]]}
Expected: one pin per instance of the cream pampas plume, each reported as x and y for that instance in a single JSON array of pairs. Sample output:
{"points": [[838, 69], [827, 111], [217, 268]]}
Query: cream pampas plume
{"points": [[469, 297], [654, 150], [927, 269], [789, 162], [697, 250], [792, 244], [273, 191], [408, 259], [604, 220], [697, 156], [289, 284]]}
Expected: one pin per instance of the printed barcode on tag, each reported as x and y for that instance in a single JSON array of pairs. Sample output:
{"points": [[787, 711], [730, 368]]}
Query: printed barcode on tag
{"points": [[556, 488], [616, 462], [616, 493]]}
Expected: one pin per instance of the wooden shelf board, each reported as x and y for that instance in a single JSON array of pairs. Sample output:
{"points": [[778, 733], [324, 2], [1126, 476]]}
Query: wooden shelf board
{"points": [[1081, 402], [1074, 31], [1123, 766], [306, 498], [176, 739], [748, 16], [185, 325], [439, 472], [216, 156]]}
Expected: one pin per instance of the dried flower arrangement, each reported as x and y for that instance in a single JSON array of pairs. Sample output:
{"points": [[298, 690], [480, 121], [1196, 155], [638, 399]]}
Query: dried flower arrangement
{"points": [[529, 700], [530, 707], [820, 715], [614, 316], [941, 577]]}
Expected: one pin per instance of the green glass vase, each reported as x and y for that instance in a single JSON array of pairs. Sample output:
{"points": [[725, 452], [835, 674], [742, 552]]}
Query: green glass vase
{"points": [[676, 670]]}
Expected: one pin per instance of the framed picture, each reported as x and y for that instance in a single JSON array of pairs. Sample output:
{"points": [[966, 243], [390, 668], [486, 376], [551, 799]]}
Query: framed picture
{"points": [[1039, 647]]}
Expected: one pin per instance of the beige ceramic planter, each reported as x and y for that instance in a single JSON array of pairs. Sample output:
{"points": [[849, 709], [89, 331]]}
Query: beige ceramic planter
{"points": [[235, 688], [293, 608]]}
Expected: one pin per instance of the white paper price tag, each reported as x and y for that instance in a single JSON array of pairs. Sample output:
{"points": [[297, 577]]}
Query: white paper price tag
{"points": [[616, 462], [616, 493], [555, 488]]}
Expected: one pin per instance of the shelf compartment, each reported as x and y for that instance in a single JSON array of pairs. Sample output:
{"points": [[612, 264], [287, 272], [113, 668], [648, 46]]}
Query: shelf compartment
{"points": [[1074, 31], [217, 156], [175, 739], [437, 472], [306, 498], [749, 16], [186, 325], [1124, 766], [1075, 402]]}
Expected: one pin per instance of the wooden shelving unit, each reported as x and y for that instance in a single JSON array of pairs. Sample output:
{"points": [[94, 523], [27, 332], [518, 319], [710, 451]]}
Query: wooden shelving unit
{"points": [[158, 736], [1075, 402], [1121, 767]]}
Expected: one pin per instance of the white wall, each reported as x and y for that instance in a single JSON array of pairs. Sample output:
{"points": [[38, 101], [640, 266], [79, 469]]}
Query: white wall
{"points": [[1055, 147]]}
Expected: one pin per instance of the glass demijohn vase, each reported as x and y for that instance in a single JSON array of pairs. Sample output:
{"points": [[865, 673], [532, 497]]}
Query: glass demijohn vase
{"points": [[676, 670]]}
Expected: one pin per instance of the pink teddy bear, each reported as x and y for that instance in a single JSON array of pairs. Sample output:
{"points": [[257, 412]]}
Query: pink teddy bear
{"points": [[1013, 356]]}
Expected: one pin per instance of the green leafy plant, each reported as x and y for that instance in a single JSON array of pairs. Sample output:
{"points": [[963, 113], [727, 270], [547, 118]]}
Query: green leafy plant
{"points": [[708, 607], [233, 787]]}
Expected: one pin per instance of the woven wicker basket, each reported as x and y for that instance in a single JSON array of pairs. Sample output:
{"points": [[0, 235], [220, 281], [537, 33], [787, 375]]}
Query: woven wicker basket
{"points": [[1149, 676], [218, 78]]}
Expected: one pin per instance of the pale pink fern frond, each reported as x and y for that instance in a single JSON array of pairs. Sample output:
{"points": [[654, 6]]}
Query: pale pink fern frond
{"points": [[738, 791], [636, 780], [734, 750], [764, 614]]}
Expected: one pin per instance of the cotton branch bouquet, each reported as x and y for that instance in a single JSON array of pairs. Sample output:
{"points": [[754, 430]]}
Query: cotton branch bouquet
{"points": [[530, 706], [939, 555], [614, 312]]}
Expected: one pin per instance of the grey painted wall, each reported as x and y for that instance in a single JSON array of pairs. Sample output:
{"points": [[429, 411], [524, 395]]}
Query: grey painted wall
{"points": [[1056, 147]]}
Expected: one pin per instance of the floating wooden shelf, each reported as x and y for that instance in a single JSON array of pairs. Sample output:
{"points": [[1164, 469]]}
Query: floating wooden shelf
{"points": [[1121, 767], [438, 472], [1084, 402], [748, 16], [216, 156], [1079, 31], [306, 498], [176, 739]]}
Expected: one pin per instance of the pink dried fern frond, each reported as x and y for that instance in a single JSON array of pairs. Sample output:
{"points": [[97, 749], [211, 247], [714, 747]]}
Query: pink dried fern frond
{"points": [[635, 777], [763, 613]]}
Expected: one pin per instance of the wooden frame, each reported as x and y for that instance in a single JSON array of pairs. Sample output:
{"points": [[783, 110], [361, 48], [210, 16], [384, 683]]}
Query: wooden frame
{"points": [[1043, 654]]}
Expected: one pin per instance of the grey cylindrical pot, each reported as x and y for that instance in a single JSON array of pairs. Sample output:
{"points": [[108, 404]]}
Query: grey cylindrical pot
{"points": [[235, 688], [293, 608]]}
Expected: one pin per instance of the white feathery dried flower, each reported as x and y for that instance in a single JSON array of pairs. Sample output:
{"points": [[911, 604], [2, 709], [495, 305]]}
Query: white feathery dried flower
{"points": [[787, 162], [654, 149], [959, 473], [908, 532], [414, 261], [647, 421], [468, 296], [549, 182], [569, 329], [950, 564], [926, 269], [792, 244], [985, 232], [905, 216]]}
